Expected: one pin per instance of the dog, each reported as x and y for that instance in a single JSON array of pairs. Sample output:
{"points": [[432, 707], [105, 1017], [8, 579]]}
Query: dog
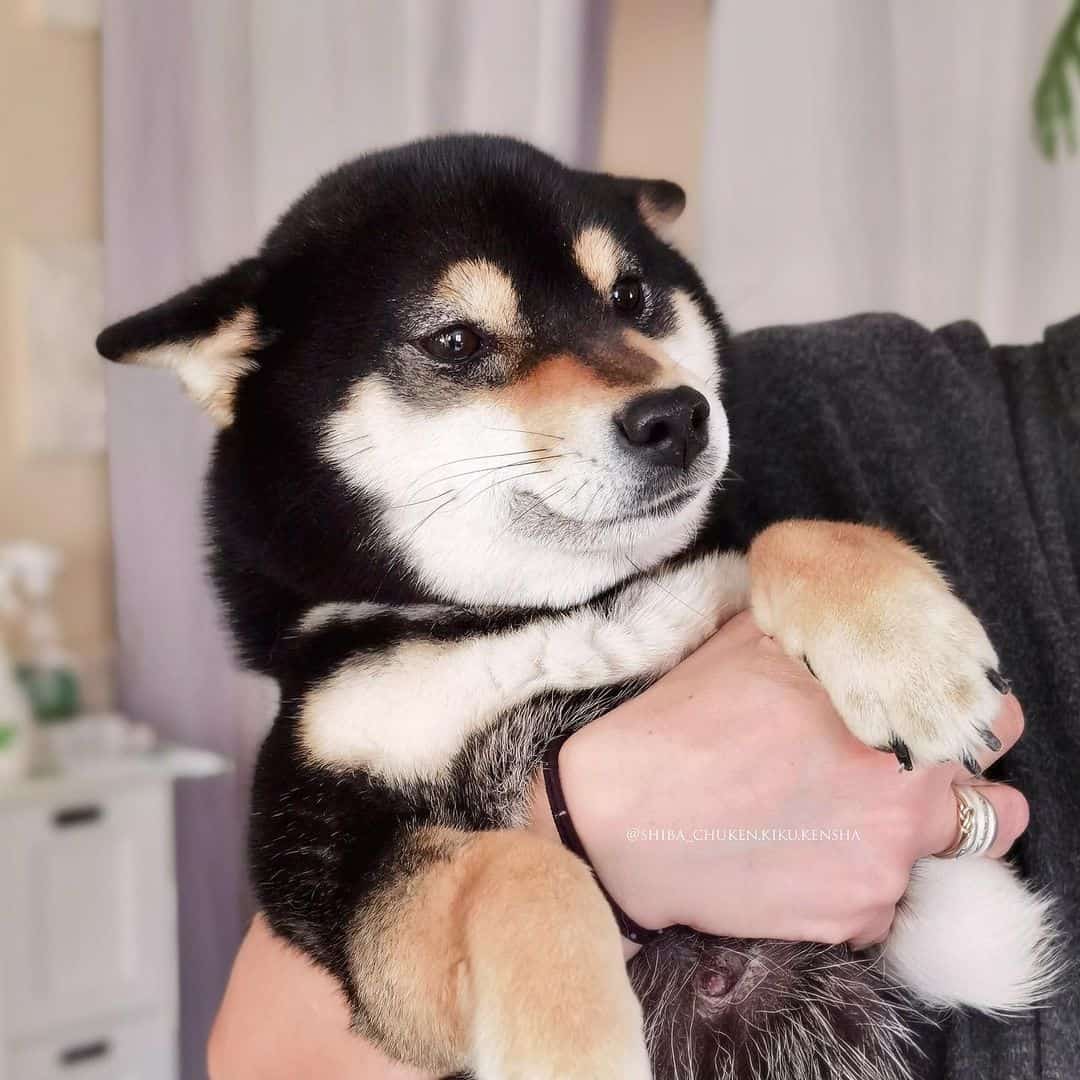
{"points": [[463, 500]]}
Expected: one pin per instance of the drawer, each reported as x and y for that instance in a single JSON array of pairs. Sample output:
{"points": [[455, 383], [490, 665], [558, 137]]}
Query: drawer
{"points": [[137, 1049], [87, 915]]}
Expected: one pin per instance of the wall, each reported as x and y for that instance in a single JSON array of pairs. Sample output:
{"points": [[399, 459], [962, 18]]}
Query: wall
{"points": [[50, 168], [654, 97]]}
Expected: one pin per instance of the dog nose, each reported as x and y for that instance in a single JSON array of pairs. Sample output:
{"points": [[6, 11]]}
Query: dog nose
{"points": [[667, 427]]}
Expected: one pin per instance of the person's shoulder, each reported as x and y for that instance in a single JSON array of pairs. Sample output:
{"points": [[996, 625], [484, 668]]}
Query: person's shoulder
{"points": [[1063, 340], [872, 341]]}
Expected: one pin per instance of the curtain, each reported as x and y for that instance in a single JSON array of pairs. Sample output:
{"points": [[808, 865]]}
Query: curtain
{"points": [[880, 156], [217, 113]]}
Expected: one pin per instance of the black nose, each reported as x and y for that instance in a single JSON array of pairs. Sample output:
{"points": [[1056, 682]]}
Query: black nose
{"points": [[667, 427]]}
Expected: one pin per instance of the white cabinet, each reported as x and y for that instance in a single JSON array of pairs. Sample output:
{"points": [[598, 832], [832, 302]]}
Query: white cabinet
{"points": [[88, 960], [120, 1050]]}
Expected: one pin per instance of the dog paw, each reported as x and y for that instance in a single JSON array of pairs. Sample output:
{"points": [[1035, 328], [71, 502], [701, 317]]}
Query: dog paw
{"points": [[916, 676], [906, 663]]}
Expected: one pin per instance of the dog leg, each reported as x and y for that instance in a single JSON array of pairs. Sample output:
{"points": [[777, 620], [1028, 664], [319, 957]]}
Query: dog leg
{"points": [[439, 692], [906, 664], [495, 952]]}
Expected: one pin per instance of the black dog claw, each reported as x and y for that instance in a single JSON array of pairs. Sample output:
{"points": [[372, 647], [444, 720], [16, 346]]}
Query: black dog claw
{"points": [[970, 764], [903, 754], [991, 740], [998, 681]]}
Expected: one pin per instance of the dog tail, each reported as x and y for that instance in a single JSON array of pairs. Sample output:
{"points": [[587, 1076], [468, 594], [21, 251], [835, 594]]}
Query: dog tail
{"points": [[969, 933]]}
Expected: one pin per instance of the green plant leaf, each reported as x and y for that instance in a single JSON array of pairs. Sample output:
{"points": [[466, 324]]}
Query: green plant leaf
{"points": [[1053, 107]]}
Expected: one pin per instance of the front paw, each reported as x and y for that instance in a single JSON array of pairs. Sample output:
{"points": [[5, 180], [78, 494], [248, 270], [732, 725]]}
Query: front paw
{"points": [[906, 664], [922, 683]]}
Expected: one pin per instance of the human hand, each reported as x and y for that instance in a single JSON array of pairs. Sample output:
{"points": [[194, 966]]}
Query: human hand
{"points": [[739, 737], [283, 1018]]}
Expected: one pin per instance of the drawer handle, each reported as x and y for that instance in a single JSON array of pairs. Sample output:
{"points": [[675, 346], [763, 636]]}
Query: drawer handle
{"points": [[91, 1051], [77, 815]]}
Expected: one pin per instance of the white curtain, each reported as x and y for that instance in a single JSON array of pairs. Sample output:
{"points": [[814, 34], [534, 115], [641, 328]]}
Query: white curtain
{"points": [[217, 113], [880, 155]]}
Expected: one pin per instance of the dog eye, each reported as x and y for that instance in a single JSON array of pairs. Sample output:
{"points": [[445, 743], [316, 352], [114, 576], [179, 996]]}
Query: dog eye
{"points": [[628, 295], [453, 343]]}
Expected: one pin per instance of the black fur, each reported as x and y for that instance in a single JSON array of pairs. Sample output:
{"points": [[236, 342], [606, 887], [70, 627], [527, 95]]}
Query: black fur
{"points": [[334, 283]]}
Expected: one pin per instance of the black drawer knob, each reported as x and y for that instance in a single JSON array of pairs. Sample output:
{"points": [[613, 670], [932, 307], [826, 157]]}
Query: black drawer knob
{"points": [[77, 815], [91, 1051]]}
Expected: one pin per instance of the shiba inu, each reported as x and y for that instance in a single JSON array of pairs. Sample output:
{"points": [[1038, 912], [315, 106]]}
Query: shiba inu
{"points": [[463, 502]]}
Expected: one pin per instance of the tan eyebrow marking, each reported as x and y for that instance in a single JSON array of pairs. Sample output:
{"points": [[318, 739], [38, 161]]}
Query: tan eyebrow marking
{"points": [[479, 292], [600, 257]]}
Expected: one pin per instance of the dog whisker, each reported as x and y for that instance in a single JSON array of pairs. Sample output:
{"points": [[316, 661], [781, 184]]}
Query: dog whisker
{"points": [[524, 431], [423, 521], [337, 440], [480, 457], [494, 484], [355, 454], [419, 502], [472, 472], [663, 588], [537, 503]]}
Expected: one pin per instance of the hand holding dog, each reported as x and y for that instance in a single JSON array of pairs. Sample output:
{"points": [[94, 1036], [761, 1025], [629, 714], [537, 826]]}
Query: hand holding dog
{"points": [[737, 737], [668, 790]]}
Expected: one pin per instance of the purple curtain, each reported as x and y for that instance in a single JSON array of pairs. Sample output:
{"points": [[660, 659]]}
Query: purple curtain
{"points": [[216, 114]]}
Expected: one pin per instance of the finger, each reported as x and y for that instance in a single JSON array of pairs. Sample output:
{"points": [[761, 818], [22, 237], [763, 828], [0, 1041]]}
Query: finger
{"points": [[1010, 808], [1006, 729], [876, 931]]}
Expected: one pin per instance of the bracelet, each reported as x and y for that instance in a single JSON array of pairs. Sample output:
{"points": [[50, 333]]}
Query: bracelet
{"points": [[560, 814]]}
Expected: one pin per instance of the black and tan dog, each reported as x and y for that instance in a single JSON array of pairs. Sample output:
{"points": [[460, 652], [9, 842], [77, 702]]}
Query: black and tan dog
{"points": [[463, 501]]}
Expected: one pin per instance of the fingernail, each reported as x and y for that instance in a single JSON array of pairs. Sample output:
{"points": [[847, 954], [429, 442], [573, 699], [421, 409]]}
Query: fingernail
{"points": [[998, 681], [902, 752], [991, 740]]}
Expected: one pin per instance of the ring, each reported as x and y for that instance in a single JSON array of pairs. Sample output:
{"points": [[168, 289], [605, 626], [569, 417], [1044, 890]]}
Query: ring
{"points": [[977, 824]]}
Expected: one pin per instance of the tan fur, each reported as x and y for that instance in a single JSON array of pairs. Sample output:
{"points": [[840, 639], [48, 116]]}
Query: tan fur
{"points": [[496, 950], [210, 367], [478, 292], [600, 258], [549, 394], [561, 384], [658, 219], [902, 658], [821, 570]]}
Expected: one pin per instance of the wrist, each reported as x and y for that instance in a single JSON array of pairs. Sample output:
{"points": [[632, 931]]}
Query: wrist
{"points": [[542, 824], [603, 810]]}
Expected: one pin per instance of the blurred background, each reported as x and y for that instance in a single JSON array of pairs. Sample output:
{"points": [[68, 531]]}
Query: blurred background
{"points": [[839, 155]]}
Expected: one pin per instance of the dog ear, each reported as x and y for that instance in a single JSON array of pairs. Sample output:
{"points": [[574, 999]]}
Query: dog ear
{"points": [[659, 202], [208, 335]]}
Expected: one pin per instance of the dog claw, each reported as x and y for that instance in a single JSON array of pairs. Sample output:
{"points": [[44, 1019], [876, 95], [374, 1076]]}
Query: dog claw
{"points": [[991, 740], [809, 668], [902, 752], [970, 764], [998, 681]]}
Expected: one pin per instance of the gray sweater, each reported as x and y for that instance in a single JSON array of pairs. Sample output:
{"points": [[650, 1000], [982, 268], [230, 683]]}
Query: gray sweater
{"points": [[973, 453]]}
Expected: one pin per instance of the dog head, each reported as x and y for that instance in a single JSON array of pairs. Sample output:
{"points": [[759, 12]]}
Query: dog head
{"points": [[457, 369]]}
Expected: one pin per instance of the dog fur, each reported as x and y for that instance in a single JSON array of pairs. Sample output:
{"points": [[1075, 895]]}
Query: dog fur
{"points": [[428, 529]]}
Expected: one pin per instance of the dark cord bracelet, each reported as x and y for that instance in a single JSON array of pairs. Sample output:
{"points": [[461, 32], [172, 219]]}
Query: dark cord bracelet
{"points": [[560, 814]]}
